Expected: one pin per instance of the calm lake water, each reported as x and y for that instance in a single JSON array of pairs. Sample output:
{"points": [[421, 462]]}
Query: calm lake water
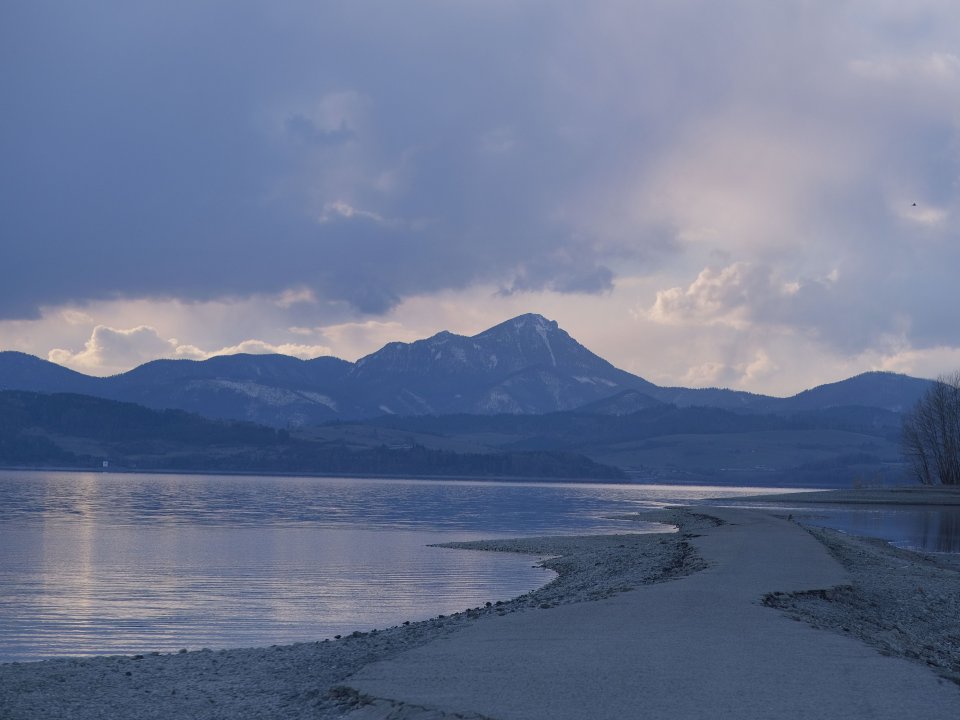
{"points": [[96, 563], [130, 563], [930, 529]]}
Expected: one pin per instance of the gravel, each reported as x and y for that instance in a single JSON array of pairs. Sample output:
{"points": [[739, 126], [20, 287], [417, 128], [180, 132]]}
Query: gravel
{"points": [[905, 604]]}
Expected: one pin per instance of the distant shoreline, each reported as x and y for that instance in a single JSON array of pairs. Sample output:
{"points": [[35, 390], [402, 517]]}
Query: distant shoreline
{"points": [[346, 476], [629, 481], [900, 495]]}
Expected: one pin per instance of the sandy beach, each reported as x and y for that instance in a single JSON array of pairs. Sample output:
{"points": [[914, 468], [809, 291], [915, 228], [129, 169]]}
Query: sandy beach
{"points": [[739, 614]]}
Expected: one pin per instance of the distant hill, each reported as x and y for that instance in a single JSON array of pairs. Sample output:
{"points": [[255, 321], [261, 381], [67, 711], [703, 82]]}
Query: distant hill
{"points": [[20, 371], [833, 447], [80, 431], [527, 365], [624, 403], [890, 391], [275, 390]]}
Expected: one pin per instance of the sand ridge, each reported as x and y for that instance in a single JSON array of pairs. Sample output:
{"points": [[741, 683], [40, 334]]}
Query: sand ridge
{"points": [[904, 604], [704, 646]]}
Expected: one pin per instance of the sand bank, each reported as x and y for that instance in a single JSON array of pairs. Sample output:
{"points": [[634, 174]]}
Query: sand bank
{"points": [[703, 646], [626, 630]]}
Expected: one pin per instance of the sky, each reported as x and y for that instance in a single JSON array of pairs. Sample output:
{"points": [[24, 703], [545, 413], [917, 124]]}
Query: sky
{"points": [[746, 194]]}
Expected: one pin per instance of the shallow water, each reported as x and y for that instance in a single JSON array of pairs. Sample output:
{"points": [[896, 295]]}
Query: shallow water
{"points": [[928, 529], [133, 563]]}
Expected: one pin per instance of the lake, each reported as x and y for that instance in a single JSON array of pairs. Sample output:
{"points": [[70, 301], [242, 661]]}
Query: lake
{"points": [[95, 563], [131, 563]]}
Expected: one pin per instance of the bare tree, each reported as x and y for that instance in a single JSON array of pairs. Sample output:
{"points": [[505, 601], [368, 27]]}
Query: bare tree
{"points": [[931, 433]]}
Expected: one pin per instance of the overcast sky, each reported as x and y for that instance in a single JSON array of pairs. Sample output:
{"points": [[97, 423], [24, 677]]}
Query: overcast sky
{"points": [[750, 194]]}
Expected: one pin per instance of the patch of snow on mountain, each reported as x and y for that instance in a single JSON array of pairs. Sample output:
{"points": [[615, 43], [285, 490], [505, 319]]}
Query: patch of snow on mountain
{"points": [[585, 380], [264, 393], [387, 410], [542, 332], [321, 398], [418, 402], [278, 397], [552, 383], [497, 400]]}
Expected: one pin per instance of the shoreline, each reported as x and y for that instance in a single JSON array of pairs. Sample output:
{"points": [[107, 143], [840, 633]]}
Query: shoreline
{"points": [[261, 681], [903, 603], [938, 495], [881, 606], [322, 475], [705, 645]]}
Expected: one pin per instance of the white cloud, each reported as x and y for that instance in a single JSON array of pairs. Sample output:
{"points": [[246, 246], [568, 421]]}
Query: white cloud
{"points": [[256, 347], [112, 350], [928, 362], [760, 368], [751, 372], [709, 374], [736, 295]]}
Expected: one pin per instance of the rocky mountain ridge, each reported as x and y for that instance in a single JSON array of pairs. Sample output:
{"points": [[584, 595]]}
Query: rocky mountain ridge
{"points": [[525, 365]]}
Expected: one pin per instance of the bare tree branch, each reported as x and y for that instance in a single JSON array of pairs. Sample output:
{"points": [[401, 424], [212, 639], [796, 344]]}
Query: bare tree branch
{"points": [[931, 434]]}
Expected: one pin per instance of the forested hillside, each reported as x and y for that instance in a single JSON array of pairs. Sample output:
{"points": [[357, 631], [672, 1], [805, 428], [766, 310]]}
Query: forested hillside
{"points": [[77, 431]]}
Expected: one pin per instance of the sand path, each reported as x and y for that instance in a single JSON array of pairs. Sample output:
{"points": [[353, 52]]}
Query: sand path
{"points": [[699, 647]]}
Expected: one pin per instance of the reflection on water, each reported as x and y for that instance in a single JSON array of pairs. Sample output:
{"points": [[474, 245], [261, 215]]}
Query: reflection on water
{"points": [[83, 589], [515, 507], [924, 528], [127, 563]]}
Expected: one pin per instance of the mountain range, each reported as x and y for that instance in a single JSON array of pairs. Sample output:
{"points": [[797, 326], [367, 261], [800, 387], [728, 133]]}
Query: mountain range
{"points": [[527, 365]]}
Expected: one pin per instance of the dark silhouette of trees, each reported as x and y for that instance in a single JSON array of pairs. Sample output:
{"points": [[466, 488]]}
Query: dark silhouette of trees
{"points": [[931, 434]]}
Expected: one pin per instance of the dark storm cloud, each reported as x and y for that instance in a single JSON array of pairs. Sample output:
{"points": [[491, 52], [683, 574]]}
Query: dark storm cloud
{"points": [[375, 151], [184, 150]]}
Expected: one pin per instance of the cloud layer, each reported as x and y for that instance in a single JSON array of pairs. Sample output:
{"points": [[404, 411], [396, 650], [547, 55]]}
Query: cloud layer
{"points": [[757, 181]]}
